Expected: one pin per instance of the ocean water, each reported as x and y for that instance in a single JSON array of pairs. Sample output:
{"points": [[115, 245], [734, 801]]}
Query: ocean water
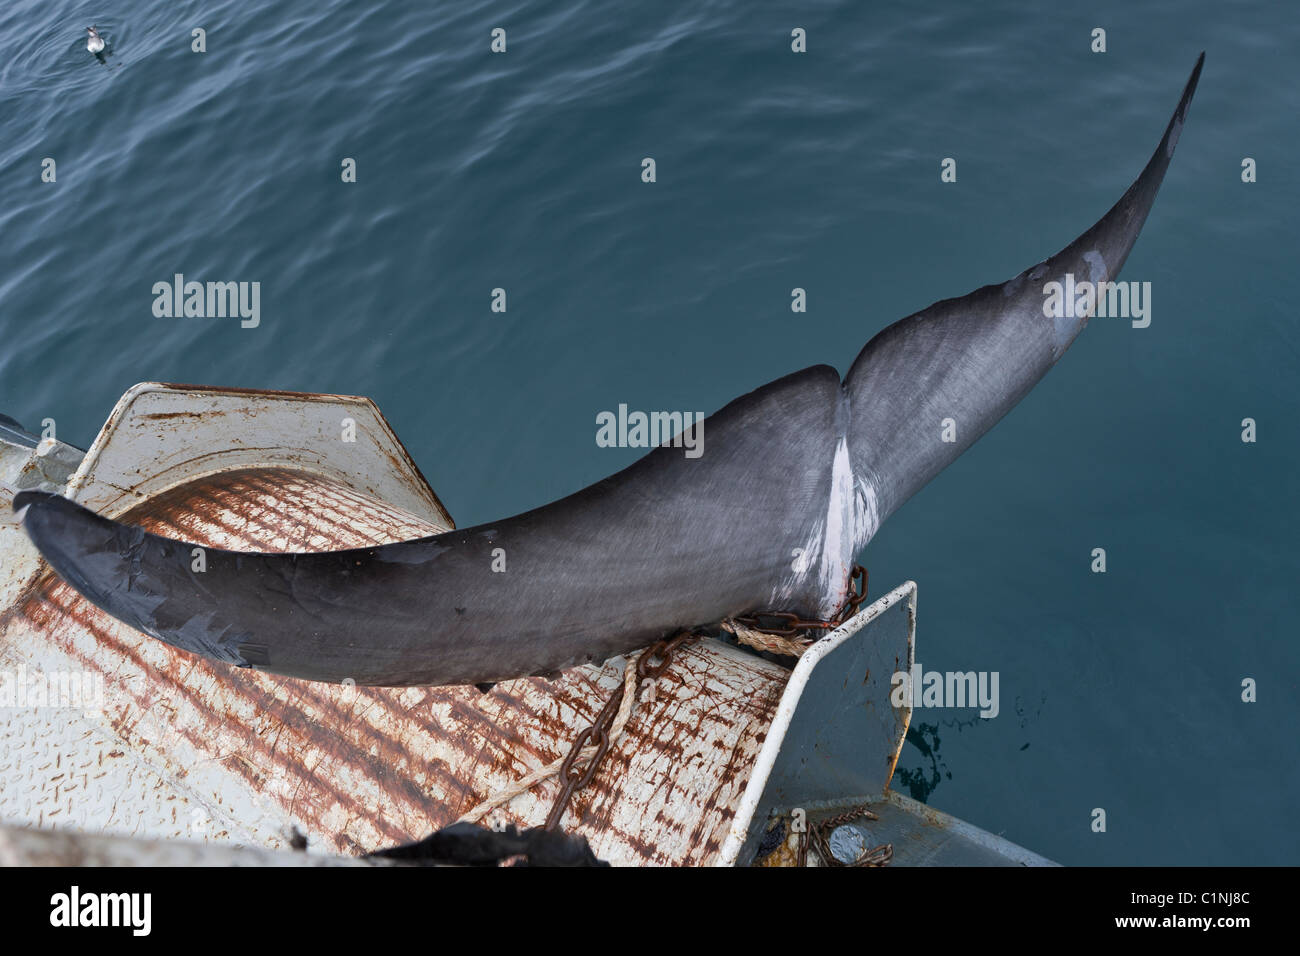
{"points": [[521, 171]]}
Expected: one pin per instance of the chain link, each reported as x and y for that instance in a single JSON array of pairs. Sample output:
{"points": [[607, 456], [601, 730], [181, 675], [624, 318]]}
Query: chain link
{"points": [[650, 666], [857, 594], [789, 624], [820, 832]]}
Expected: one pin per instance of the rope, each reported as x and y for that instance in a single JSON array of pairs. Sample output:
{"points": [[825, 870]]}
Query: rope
{"points": [[788, 646], [526, 783]]}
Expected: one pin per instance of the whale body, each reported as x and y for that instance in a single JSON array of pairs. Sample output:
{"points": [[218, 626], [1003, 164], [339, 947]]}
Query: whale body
{"points": [[795, 479]]}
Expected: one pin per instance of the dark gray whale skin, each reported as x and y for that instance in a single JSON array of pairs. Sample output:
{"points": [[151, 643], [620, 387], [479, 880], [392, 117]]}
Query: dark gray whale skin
{"points": [[794, 480]]}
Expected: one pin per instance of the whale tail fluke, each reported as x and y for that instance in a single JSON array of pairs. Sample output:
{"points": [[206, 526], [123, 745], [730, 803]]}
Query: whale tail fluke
{"points": [[925, 388], [1117, 231]]}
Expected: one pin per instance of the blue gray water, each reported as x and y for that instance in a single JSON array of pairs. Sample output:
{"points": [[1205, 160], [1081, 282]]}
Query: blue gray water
{"points": [[522, 171]]}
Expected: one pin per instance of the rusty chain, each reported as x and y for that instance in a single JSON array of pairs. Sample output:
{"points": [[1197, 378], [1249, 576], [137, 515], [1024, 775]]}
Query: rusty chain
{"points": [[857, 594], [820, 831], [574, 778], [788, 624], [650, 666]]}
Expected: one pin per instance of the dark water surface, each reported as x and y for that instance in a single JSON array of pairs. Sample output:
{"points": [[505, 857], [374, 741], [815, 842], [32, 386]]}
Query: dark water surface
{"points": [[522, 171]]}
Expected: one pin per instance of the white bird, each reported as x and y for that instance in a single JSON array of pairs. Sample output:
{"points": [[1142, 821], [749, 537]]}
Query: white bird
{"points": [[95, 43]]}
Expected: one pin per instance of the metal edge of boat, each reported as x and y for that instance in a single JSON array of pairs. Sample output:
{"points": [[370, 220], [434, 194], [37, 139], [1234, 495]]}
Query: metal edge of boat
{"points": [[812, 761]]}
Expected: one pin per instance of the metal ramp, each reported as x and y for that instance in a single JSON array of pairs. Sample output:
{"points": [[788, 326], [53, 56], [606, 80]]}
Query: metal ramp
{"points": [[835, 741]]}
